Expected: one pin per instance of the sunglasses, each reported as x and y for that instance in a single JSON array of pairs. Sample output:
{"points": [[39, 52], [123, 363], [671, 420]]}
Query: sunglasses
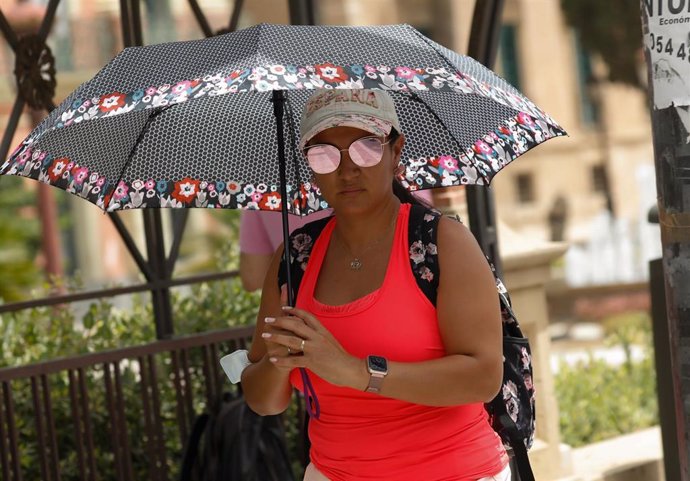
{"points": [[364, 152]]}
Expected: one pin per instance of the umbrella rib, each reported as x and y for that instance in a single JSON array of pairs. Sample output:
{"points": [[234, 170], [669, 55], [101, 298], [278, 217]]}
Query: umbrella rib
{"points": [[145, 129], [426, 40], [419, 99]]}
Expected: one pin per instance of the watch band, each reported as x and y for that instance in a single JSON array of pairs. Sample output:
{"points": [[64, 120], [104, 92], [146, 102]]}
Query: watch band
{"points": [[375, 382]]}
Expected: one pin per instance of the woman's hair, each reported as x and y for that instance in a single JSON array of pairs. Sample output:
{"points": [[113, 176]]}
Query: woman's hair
{"points": [[404, 195]]}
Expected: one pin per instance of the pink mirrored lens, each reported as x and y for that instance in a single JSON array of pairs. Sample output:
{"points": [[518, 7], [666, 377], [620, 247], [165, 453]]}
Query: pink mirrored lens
{"points": [[366, 152], [323, 159]]}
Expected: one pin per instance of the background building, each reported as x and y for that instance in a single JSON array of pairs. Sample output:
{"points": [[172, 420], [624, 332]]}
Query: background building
{"points": [[592, 190]]}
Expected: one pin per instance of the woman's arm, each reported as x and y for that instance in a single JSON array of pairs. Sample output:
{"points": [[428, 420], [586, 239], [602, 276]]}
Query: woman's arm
{"points": [[469, 320], [266, 387]]}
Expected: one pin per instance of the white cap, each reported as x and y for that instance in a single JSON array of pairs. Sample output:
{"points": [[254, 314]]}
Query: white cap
{"points": [[366, 109]]}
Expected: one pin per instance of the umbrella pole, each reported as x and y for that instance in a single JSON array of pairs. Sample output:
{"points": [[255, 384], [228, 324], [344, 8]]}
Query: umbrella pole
{"points": [[278, 100]]}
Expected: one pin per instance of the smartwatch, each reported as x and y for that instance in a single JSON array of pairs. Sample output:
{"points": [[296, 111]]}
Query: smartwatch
{"points": [[378, 368]]}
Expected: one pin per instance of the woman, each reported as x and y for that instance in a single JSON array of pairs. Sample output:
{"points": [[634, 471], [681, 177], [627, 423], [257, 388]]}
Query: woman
{"points": [[401, 383]]}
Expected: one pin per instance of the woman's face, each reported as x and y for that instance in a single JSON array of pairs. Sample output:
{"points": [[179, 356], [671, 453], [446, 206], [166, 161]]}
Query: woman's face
{"points": [[351, 188]]}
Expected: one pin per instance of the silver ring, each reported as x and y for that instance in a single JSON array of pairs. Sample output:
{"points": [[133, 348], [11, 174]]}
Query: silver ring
{"points": [[289, 351], [301, 347]]}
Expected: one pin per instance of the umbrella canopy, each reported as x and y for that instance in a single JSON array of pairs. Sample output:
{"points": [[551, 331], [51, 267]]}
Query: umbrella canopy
{"points": [[190, 124]]}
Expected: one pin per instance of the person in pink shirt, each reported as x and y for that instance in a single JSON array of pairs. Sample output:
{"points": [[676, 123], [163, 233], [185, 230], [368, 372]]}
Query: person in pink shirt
{"points": [[261, 233]]}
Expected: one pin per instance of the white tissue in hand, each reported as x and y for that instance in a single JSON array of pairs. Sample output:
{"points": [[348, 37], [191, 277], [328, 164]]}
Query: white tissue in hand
{"points": [[233, 364]]}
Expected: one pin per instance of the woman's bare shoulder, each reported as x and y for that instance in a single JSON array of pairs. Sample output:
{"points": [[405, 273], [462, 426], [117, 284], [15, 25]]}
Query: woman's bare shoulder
{"points": [[458, 249]]}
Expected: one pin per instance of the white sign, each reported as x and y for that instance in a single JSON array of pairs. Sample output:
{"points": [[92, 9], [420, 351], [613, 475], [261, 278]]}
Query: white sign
{"points": [[668, 43]]}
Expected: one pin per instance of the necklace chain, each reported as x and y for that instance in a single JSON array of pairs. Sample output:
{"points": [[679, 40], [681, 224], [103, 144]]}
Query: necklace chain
{"points": [[356, 262]]}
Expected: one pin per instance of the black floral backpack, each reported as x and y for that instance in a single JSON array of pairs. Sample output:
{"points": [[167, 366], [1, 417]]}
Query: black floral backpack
{"points": [[512, 411]]}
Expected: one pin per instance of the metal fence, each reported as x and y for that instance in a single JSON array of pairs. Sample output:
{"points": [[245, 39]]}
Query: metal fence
{"points": [[123, 414]]}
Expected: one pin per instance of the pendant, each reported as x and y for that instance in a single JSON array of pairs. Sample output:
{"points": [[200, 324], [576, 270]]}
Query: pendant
{"points": [[356, 264]]}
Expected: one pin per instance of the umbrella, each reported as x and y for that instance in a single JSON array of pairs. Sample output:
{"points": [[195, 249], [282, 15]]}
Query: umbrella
{"points": [[214, 123]]}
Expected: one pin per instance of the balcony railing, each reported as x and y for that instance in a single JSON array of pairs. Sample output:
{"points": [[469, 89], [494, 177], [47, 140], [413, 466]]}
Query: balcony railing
{"points": [[122, 414]]}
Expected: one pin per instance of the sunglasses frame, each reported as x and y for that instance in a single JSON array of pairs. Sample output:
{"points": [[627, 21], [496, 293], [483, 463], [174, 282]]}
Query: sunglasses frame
{"points": [[340, 151]]}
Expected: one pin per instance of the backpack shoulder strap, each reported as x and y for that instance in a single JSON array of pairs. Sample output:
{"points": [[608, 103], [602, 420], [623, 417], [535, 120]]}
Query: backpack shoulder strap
{"points": [[191, 453], [301, 242], [423, 252]]}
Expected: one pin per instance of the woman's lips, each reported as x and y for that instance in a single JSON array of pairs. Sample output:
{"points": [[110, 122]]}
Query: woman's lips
{"points": [[351, 191]]}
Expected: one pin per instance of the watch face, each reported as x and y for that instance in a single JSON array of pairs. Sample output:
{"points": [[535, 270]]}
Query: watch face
{"points": [[378, 363]]}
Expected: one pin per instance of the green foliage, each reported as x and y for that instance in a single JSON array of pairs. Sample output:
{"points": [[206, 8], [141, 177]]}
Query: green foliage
{"points": [[611, 29], [19, 240], [47, 333], [597, 400]]}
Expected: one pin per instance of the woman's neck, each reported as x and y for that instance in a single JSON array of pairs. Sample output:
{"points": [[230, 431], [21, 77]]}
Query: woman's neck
{"points": [[357, 230]]}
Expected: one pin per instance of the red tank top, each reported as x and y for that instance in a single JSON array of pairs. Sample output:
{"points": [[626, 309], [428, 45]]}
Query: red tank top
{"points": [[364, 436]]}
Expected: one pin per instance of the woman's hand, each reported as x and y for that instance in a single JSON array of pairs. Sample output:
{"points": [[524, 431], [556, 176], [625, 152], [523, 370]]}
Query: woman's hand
{"points": [[321, 353]]}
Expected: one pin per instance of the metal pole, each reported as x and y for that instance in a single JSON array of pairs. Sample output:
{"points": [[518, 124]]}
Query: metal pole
{"points": [[483, 46], [666, 49], [302, 12], [132, 35], [155, 251], [664, 379]]}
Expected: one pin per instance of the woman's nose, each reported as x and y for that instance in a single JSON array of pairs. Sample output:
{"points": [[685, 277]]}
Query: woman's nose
{"points": [[347, 166]]}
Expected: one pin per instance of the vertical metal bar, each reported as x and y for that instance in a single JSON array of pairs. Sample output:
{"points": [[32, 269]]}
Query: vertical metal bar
{"points": [[201, 18], [177, 238], [12, 430], [122, 419], [671, 158], [301, 12], [162, 308], [486, 20], [114, 424], [11, 127], [483, 46], [78, 433], [40, 434], [664, 371], [207, 377], [126, 23], [88, 431], [215, 372], [235, 17], [212, 379], [135, 10], [155, 248], [148, 425], [4, 450], [156, 409], [187, 381], [50, 427], [183, 418]]}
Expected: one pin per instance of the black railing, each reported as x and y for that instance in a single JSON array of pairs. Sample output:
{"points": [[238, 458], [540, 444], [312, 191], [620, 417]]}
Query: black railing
{"points": [[122, 414]]}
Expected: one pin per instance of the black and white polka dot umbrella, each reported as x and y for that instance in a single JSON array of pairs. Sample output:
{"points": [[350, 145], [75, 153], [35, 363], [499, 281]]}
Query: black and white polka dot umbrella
{"points": [[191, 124]]}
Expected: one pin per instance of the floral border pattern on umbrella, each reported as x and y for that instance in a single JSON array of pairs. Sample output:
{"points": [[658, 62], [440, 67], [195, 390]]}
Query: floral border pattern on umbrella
{"points": [[290, 77], [477, 165]]}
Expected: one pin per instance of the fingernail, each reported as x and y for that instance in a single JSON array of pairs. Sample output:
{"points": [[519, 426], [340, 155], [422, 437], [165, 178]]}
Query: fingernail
{"points": [[273, 359], [266, 334], [270, 319], [286, 308]]}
